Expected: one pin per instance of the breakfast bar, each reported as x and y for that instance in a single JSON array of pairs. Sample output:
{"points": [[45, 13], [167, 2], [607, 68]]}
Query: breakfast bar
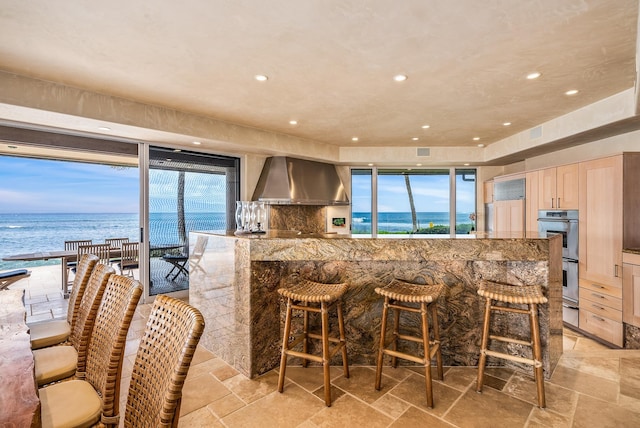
{"points": [[234, 284]]}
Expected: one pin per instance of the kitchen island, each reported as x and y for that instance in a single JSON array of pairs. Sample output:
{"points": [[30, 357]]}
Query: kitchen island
{"points": [[234, 284]]}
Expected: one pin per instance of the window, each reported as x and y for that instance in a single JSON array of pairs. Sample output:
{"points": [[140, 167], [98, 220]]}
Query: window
{"points": [[361, 201], [413, 201]]}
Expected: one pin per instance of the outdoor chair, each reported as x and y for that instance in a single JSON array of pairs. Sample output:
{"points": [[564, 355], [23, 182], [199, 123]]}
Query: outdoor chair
{"points": [[162, 362], [73, 246], [49, 333], [9, 277], [129, 257], [94, 395], [116, 242], [60, 362], [198, 252], [103, 251]]}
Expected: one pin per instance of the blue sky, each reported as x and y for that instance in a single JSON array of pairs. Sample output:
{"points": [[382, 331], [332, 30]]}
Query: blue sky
{"points": [[45, 186], [430, 193]]}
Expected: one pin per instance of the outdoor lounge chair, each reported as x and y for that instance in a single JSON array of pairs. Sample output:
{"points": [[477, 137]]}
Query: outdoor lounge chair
{"points": [[9, 277]]}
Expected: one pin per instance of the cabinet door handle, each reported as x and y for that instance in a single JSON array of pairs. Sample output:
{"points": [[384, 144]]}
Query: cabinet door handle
{"points": [[600, 296], [558, 202], [598, 307], [602, 287], [616, 271], [552, 203], [598, 318]]}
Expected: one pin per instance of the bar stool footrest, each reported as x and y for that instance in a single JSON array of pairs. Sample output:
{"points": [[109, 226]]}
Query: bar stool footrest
{"points": [[516, 358]]}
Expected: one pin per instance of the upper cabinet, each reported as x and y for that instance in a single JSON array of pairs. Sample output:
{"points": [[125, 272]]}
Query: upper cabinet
{"points": [[559, 188]]}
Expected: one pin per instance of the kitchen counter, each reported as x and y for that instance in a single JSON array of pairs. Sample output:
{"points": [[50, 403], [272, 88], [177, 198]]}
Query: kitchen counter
{"points": [[234, 284]]}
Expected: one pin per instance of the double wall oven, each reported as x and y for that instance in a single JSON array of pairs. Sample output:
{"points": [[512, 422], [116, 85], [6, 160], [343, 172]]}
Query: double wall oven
{"points": [[565, 223]]}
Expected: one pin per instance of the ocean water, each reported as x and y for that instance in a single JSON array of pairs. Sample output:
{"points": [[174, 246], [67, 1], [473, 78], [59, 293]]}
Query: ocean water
{"points": [[401, 221], [28, 233]]}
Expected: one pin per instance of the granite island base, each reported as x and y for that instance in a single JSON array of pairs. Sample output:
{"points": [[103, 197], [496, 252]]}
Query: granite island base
{"points": [[234, 284]]}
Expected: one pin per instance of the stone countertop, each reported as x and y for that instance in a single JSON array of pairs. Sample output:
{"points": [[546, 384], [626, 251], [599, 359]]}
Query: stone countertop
{"points": [[295, 234], [289, 246]]}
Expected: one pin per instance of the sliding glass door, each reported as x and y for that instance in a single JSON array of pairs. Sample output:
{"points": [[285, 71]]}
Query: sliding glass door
{"points": [[186, 192]]}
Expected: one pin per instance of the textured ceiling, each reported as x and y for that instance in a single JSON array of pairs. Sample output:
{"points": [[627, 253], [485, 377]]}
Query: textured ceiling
{"points": [[331, 63]]}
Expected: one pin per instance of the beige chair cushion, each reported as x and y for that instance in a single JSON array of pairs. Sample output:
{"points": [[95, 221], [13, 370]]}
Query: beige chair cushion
{"points": [[70, 404], [49, 333], [55, 363]]}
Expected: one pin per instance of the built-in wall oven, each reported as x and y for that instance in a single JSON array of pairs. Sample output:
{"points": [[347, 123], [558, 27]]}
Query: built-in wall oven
{"points": [[565, 223]]}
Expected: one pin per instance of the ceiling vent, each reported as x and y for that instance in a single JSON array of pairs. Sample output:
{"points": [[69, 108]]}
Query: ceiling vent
{"points": [[424, 151], [535, 132]]}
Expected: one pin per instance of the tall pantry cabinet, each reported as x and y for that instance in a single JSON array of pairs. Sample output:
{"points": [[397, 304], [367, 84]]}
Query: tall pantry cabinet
{"points": [[607, 186]]}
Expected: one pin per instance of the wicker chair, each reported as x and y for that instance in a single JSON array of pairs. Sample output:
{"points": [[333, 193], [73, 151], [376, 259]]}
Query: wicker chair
{"points": [[49, 333], [60, 362], [531, 296], [129, 257], [162, 363], [404, 296], [94, 396], [306, 296]]}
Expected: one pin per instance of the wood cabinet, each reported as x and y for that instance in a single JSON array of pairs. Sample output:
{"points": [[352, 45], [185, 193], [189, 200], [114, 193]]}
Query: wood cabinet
{"points": [[531, 203], [509, 216], [600, 221], [600, 253], [559, 187], [631, 289]]}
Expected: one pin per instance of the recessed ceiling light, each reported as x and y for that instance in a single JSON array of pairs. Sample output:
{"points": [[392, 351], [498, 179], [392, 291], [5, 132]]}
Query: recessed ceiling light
{"points": [[293, 122], [533, 75], [418, 164], [370, 164], [571, 92], [197, 143], [415, 138], [480, 145], [354, 139], [476, 138], [466, 164], [261, 77], [400, 77], [506, 124], [425, 126], [104, 128]]}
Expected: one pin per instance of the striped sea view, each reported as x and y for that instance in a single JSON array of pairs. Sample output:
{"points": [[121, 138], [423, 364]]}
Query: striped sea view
{"points": [[401, 221], [28, 233]]}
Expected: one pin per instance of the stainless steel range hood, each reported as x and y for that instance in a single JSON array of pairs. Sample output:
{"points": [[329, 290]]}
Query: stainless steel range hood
{"points": [[286, 180]]}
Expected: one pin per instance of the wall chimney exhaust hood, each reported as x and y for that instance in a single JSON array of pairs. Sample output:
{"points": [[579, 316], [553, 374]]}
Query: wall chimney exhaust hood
{"points": [[291, 181]]}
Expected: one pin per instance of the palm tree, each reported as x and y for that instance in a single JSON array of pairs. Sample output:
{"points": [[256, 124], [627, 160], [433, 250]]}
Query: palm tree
{"points": [[182, 228], [414, 219]]}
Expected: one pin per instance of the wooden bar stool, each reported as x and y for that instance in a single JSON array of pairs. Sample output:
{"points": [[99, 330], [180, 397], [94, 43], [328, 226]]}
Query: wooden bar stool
{"points": [[398, 292], [531, 296], [299, 297]]}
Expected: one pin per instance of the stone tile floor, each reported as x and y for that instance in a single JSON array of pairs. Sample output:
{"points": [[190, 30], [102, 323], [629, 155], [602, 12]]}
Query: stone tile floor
{"points": [[592, 386]]}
